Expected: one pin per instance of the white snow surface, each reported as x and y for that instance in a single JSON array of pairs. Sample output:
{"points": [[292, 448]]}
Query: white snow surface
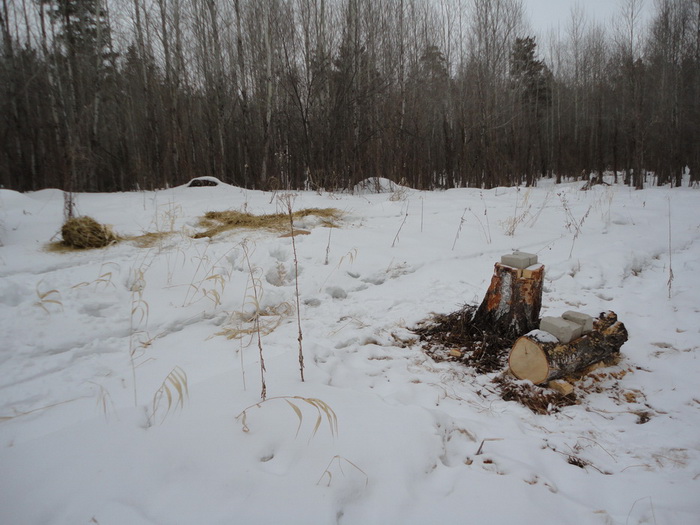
{"points": [[542, 336], [80, 443]]}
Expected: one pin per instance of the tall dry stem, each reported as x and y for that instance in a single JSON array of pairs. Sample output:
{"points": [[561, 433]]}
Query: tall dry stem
{"points": [[462, 220], [405, 217], [256, 319], [288, 201], [137, 320], [670, 253]]}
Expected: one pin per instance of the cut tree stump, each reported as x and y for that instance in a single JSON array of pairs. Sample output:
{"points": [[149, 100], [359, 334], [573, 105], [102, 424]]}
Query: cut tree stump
{"points": [[511, 306], [540, 357]]}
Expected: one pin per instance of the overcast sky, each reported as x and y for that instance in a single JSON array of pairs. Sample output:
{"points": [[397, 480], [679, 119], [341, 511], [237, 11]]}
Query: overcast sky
{"points": [[545, 14]]}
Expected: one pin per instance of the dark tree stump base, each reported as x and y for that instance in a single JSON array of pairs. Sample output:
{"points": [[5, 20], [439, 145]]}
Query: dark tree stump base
{"points": [[511, 306]]}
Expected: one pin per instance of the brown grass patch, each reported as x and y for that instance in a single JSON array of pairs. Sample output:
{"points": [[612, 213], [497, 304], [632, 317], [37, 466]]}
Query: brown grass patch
{"points": [[295, 233], [216, 222], [85, 232], [148, 239]]}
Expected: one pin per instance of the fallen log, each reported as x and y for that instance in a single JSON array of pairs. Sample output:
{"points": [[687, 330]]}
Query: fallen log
{"points": [[511, 306], [540, 357]]}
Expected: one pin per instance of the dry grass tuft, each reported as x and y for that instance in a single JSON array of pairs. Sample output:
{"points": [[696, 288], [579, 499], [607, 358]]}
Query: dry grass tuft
{"points": [[322, 410], [266, 320], [146, 240], [48, 298], [85, 232], [174, 390], [340, 460], [217, 222]]}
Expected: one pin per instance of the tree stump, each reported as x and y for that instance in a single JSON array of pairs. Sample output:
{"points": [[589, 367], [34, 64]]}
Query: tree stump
{"points": [[540, 357], [511, 306]]}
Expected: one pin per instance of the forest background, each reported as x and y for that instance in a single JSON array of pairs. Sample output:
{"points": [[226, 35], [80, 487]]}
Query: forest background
{"points": [[118, 95]]}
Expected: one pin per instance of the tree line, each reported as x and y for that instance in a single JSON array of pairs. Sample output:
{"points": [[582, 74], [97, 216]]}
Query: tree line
{"points": [[115, 95]]}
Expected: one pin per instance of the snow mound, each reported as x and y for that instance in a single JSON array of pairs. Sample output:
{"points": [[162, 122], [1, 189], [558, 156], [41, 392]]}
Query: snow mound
{"points": [[199, 182], [375, 185], [12, 198]]}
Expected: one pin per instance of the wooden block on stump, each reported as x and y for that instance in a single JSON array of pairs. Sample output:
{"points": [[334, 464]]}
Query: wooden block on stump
{"points": [[540, 357]]}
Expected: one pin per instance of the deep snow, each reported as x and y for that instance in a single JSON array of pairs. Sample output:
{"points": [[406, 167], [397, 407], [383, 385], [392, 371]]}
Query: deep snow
{"points": [[77, 447]]}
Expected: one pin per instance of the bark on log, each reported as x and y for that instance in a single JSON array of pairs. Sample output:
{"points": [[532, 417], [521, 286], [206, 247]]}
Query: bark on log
{"points": [[511, 306], [539, 357]]}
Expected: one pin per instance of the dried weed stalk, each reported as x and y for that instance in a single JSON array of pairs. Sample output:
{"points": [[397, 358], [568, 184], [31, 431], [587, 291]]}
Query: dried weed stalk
{"points": [[512, 223], [288, 201], [137, 320], [209, 280], [174, 388], [322, 410], [104, 399], [572, 224], [340, 459], [47, 298], [405, 218], [104, 279], [670, 253], [256, 285]]}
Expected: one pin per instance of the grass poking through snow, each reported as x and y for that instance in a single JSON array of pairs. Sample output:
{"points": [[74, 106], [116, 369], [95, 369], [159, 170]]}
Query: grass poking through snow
{"points": [[216, 222]]}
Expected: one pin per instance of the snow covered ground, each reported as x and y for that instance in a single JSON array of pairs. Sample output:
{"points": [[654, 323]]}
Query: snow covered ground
{"points": [[92, 343]]}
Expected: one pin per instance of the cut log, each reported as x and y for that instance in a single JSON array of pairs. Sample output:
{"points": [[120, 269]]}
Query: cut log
{"points": [[540, 357], [511, 306]]}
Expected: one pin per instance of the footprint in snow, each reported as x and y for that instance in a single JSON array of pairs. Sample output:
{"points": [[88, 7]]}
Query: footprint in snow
{"points": [[336, 292]]}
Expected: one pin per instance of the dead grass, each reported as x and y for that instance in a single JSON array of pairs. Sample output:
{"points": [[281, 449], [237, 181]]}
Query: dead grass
{"points": [[267, 320], [148, 239], [80, 233], [216, 222], [322, 410], [83, 233]]}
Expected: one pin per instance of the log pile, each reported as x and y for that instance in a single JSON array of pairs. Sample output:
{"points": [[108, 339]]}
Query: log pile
{"points": [[540, 357], [544, 351]]}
